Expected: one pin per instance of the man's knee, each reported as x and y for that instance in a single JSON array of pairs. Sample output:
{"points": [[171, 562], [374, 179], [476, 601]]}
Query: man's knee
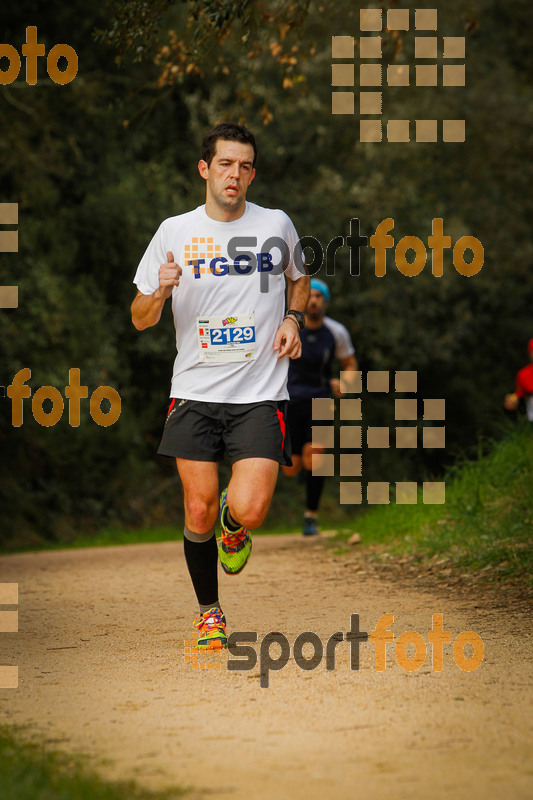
{"points": [[251, 514], [201, 514], [250, 491], [252, 518], [291, 472], [307, 456]]}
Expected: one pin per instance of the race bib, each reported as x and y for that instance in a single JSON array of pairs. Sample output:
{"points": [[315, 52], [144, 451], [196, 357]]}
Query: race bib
{"points": [[223, 339]]}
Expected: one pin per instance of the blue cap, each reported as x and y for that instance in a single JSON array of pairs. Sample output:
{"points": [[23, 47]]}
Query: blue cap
{"points": [[321, 287]]}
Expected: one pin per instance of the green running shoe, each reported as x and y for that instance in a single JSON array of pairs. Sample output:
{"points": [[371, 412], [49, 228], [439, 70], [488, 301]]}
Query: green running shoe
{"points": [[234, 547], [211, 627]]}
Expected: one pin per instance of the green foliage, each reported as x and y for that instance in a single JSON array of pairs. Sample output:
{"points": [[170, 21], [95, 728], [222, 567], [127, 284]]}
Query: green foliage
{"points": [[486, 521], [135, 23], [97, 164], [30, 772], [133, 26]]}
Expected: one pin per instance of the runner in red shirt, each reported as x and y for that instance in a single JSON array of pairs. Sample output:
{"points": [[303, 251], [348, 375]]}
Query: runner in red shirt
{"points": [[524, 387]]}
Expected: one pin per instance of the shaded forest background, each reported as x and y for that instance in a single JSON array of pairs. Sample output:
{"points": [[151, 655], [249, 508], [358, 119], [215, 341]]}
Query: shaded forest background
{"points": [[97, 164]]}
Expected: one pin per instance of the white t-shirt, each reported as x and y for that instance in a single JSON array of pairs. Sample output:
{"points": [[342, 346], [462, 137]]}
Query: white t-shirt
{"points": [[210, 287], [343, 342]]}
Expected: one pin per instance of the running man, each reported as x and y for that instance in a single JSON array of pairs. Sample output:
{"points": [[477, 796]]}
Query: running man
{"points": [[524, 387], [323, 339], [234, 341]]}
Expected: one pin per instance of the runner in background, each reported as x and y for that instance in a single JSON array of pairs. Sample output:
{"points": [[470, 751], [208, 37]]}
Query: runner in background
{"points": [[323, 340], [524, 387]]}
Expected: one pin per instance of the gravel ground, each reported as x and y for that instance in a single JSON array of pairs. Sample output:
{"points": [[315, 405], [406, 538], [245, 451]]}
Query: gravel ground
{"points": [[103, 671]]}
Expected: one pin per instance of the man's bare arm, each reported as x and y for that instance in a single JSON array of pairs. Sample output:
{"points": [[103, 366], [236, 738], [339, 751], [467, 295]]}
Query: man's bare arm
{"points": [[298, 293], [287, 339], [146, 308], [348, 363]]}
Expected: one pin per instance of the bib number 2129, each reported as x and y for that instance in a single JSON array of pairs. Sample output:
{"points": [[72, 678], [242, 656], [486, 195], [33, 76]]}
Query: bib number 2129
{"points": [[232, 335]]}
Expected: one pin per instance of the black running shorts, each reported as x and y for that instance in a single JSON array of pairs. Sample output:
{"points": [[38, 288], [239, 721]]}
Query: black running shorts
{"points": [[201, 431]]}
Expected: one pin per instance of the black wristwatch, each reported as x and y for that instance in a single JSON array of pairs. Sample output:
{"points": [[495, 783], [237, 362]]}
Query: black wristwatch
{"points": [[299, 317]]}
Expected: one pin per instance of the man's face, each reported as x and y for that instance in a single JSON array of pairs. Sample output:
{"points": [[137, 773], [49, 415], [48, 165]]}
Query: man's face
{"points": [[316, 307], [229, 174]]}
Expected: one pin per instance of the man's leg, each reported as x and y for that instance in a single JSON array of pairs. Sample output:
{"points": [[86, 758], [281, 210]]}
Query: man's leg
{"points": [[250, 490], [314, 484], [243, 507], [301, 427], [298, 423], [292, 472], [200, 493]]}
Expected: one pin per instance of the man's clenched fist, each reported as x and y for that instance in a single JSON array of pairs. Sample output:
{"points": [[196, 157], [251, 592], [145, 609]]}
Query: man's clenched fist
{"points": [[169, 276]]}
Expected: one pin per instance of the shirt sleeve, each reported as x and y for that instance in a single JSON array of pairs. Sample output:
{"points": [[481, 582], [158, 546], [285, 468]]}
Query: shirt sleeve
{"points": [[343, 341], [294, 267], [147, 276]]}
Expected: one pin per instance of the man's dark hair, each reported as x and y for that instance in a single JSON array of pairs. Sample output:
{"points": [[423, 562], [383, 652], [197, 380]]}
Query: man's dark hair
{"points": [[229, 132]]}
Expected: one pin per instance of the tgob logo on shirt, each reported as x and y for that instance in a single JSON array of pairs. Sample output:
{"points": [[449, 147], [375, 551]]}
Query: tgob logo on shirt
{"points": [[205, 257], [242, 265]]}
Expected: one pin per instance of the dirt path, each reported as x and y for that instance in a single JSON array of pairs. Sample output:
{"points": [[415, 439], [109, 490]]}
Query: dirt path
{"points": [[102, 671]]}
